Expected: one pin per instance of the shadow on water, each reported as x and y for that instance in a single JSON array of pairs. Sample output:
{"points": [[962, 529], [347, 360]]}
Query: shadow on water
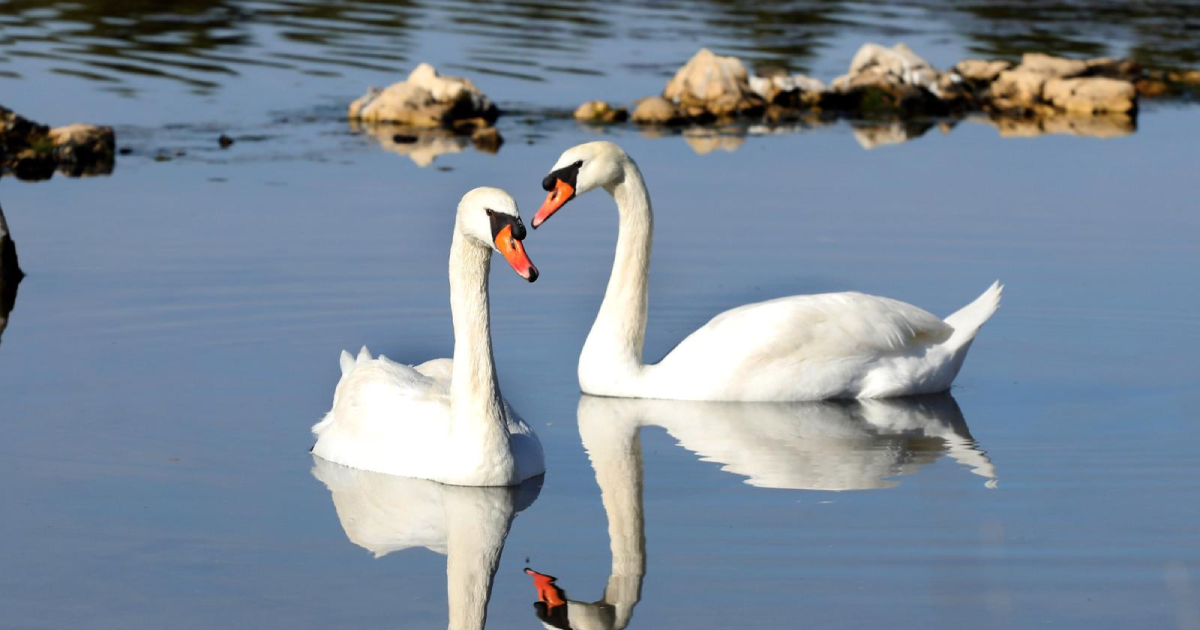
{"points": [[201, 44], [824, 446], [385, 514], [10, 274]]}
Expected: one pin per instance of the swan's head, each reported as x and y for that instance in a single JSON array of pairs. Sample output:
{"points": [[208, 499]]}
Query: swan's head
{"points": [[489, 216], [580, 169]]}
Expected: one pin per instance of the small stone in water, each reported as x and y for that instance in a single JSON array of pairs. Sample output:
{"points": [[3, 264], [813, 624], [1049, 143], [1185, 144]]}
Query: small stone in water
{"points": [[225, 141]]}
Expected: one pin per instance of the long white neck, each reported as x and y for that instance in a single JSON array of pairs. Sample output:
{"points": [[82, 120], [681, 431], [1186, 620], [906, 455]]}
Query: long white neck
{"points": [[613, 351], [478, 429]]}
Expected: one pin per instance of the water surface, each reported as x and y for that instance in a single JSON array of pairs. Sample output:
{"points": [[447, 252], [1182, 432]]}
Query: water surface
{"points": [[179, 328]]}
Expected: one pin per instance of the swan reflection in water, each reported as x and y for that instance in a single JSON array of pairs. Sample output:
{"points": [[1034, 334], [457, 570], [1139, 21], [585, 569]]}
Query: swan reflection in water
{"points": [[384, 513], [829, 446]]}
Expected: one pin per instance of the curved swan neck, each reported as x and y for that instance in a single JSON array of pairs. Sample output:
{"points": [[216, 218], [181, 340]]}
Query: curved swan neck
{"points": [[475, 401], [618, 334]]}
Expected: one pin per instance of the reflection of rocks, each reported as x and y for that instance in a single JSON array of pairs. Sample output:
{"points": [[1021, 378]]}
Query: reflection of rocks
{"points": [[704, 141], [870, 136], [422, 146], [425, 99], [32, 151], [600, 112], [1109, 126], [10, 273]]}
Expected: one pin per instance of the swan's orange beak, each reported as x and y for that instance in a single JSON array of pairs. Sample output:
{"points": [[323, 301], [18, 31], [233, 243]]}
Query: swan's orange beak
{"points": [[557, 198], [547, 592], [514, 253]]}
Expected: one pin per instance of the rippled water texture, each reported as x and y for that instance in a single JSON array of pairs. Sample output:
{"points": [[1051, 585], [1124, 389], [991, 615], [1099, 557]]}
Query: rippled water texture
{"points": [[178, 330]]}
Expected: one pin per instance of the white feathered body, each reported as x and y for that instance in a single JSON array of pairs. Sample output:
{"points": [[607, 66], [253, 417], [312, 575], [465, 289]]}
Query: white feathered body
{"points": [[805, 347], [395, 419]]}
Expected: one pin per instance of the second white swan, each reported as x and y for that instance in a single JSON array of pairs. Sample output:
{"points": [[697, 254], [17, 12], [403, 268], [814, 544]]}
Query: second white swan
{"points": [[805, 347]]}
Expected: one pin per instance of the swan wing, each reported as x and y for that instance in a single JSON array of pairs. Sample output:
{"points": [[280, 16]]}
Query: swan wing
{"points": [[824, 326], [386, 417], [772, 340]]}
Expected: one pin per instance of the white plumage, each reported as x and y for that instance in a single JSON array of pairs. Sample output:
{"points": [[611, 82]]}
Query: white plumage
{"points": [[445, 419], [808, 347]]}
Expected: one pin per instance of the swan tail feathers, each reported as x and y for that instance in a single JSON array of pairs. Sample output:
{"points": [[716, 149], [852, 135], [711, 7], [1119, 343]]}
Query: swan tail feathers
{"points": [[967, 320], [323, 424], [346, 362], [364, 355]]}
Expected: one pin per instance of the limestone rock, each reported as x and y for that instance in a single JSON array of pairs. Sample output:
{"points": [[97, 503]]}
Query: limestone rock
{"points": [[600, 112], [707, 76], [1018, 86], [1091, 95], [788, 90], [656, 111], [32, 151], [1050, 66], [876, 65], [81, 147], [981, 71], [709, 86], [424, 99]]}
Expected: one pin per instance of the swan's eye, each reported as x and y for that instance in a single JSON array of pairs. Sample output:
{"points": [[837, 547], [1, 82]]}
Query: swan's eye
{"points": [[489, 211]]}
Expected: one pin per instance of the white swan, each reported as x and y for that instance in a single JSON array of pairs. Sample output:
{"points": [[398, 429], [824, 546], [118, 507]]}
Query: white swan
{"points": [[384, 514], [805, 347], [443, 420], [824, 446]]}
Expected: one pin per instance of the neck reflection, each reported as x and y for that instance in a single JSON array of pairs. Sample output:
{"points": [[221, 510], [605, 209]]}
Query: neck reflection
{"points": [[384, 514], [824, 446]]}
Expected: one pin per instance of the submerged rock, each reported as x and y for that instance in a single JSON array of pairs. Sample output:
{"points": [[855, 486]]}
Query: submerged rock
{"points": [[656, 111], [84, 149], [425, 99], [33, 151], [600, 112]]}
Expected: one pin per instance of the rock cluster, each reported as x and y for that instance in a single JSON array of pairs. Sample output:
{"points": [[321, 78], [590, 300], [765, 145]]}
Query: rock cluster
{"points": [[428, 114], [897, 84], [1042, 84], [33, 151], [427, 100]]}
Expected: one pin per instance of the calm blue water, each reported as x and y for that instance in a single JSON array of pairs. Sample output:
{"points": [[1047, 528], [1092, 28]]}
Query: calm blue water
{"points": [[179, 328]]}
